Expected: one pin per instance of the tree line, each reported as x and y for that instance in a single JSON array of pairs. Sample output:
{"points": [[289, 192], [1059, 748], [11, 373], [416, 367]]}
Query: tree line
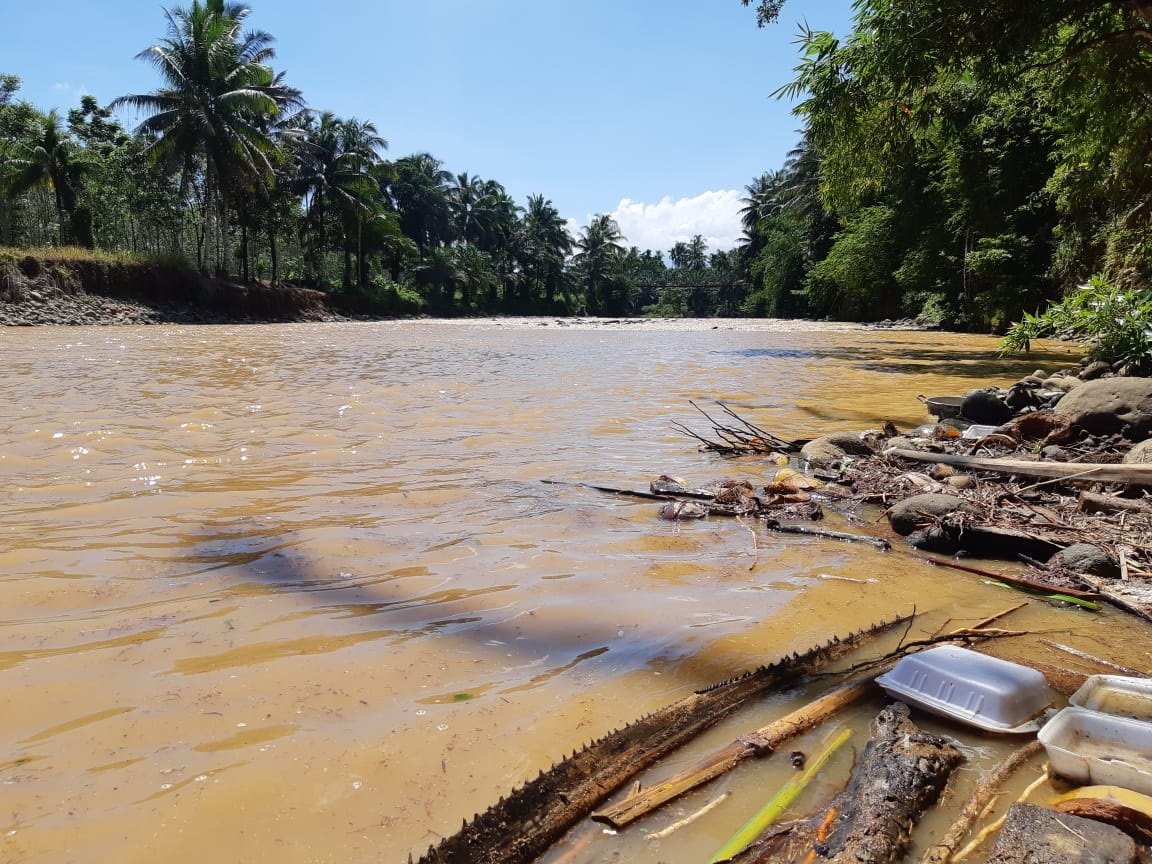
{"points": [[231, 171], [964, 162]]}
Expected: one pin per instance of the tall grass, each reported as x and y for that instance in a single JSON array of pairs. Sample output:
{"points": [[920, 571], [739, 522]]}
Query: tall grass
{"points": [[78, 254]]}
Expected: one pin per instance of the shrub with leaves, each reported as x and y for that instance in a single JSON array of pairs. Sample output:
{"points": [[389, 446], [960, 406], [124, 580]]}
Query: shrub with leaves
{"points": [[1116, 324]]}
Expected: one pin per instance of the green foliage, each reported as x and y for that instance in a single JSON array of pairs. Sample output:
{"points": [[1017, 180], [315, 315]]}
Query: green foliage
{"points": [[855, 279], [1115, 322], [391, 298]]}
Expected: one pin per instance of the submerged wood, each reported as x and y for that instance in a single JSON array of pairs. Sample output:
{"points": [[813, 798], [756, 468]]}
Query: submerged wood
{"points": [[762, 742], [1136, 475], [878, 542], [899, 776], [942, 852], [520, 828]]}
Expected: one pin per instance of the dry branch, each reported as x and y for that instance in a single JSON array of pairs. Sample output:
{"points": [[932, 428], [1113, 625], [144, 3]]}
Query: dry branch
{"points": [[1092, 658], [1136, 475], [1090, 502], [878, 542], [1018, 581]]}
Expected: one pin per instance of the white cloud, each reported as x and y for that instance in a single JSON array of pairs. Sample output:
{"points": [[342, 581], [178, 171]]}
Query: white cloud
{"points": [[714, 215]]}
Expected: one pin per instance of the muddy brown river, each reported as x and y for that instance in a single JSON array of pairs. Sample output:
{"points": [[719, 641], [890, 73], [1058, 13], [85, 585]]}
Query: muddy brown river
{"points": [[298, 594]]}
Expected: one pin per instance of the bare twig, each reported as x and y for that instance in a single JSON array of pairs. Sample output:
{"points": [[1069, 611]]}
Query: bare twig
{"points": [[689, 819]]}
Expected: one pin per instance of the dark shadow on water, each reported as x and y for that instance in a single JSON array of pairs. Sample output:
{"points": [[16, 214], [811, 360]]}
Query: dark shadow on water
{"points": [[391, 609], [915, 359]]}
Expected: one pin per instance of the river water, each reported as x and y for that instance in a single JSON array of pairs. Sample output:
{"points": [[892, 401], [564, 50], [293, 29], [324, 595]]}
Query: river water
{"points": [[297, 593]]}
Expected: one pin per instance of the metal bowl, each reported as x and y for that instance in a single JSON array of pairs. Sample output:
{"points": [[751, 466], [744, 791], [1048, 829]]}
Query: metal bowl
{"points": [[944, 407]]}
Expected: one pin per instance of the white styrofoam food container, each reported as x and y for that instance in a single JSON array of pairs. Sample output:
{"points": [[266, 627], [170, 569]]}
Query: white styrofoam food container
{"points": [[1118, 695], [986, 692], [1095, 749], [978, 430]]}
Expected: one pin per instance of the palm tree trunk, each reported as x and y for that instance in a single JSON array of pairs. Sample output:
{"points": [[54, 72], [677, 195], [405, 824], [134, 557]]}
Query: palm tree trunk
{"points": [[274, 255], [347, 280], [244, 250]]}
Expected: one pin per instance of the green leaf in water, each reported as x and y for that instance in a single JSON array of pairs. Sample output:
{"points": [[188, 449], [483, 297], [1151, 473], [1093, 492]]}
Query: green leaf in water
{"points": [[1063, 598], [461, 697]]}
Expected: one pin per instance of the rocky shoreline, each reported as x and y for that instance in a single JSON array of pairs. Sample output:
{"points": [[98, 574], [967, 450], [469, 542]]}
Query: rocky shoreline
{"points": [[1050, 473]]}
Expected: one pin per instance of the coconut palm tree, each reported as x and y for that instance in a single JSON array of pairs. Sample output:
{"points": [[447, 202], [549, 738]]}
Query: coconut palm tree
{"points": [[50, 160], [417, 186], [335, 157], [544, 244], [599, 256], [209, 120]]}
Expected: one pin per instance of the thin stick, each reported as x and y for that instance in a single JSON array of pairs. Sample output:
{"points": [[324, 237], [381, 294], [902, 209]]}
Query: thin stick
{"points": [[942, 852], [1092, 658], [1019, 581], [991, 619], [979, 839], [688, 820], [755, 544], [879, 542], [612, 490]]}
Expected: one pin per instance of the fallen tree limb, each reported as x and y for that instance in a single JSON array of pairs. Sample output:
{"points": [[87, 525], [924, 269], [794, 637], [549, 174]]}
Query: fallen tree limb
{"points": [[690, 818], [942, 852], [878, 542], [521, 827], [900, 775], [1136, 475]]}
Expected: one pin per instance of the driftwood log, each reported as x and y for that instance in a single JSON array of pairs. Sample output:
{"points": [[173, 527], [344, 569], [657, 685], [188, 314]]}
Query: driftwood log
{"points": [[899, 776]]}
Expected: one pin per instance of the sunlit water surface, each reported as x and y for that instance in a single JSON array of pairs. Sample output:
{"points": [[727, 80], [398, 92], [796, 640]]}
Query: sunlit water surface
{"points": [[298, 594]]}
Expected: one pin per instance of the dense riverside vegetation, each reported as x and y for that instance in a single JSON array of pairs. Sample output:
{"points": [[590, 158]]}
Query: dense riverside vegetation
{"points": [[960, 163], [233, 172]]}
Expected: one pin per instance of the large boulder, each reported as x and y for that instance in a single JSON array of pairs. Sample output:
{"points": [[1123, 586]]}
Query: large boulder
{"points": [[829, 448], [1086, 558], [1109, 405], [920, 511]]}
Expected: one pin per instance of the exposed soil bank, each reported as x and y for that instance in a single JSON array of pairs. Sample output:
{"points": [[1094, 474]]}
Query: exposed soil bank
{"points": [[35, 291]]}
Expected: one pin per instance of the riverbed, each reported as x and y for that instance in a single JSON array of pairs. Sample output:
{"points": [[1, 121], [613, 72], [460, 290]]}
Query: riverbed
{"points": [[298, 593]]}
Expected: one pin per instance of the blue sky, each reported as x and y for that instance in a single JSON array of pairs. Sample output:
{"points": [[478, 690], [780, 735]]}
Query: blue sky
{"points": [[657, 111]]}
